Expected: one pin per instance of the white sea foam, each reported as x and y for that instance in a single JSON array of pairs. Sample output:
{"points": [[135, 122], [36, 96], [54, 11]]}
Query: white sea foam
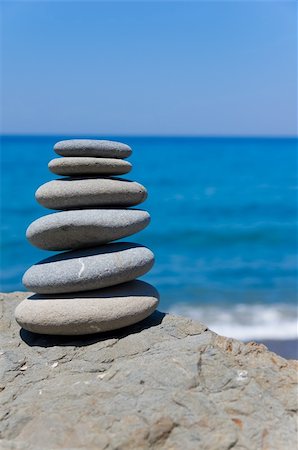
{"points": [[245, 322]]}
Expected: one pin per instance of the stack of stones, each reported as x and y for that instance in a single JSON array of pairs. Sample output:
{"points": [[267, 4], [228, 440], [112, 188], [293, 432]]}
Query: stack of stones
{"points": [[91, 287]]}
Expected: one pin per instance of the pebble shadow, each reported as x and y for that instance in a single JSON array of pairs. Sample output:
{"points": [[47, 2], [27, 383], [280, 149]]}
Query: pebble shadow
{"points": [[43, 340]]}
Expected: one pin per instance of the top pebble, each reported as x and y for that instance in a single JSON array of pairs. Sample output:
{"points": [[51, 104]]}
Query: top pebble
{"points": [[92, 147]]}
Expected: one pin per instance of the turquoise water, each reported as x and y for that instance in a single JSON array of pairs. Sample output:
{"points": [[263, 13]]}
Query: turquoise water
{"points": [[224, 218]]}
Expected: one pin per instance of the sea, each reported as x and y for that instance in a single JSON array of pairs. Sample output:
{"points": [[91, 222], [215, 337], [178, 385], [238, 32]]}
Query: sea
{"points": [[223, 225]]}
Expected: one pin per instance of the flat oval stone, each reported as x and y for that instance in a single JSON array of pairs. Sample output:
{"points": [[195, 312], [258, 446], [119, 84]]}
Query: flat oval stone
{"points": [[88, 312], [94, 268], [89, 166], [92, 147], [85, 228], [70, 193]]}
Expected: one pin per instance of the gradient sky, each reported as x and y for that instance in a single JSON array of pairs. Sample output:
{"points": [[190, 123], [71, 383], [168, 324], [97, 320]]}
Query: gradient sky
{"points": [[151, 68]]}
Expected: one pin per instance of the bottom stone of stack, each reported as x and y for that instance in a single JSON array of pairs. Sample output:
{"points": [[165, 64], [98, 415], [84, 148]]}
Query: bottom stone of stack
{"points": [[88, 312]]}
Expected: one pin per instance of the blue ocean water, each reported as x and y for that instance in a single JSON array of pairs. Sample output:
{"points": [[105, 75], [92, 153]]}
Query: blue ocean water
{"points": [[223, 229]]}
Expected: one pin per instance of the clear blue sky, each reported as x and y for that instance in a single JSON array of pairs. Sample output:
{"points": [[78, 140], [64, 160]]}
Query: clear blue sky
{"points": [[151, 68]]}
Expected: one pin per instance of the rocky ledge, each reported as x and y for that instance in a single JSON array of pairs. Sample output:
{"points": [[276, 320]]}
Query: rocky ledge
{"points": [[165, 383]]}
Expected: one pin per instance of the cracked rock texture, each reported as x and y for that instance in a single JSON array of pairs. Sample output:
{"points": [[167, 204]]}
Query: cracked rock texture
{"points": [[165, 383]]}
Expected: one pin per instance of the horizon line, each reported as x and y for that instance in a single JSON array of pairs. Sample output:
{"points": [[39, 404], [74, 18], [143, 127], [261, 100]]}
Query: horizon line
{"points": [[160, 136]]}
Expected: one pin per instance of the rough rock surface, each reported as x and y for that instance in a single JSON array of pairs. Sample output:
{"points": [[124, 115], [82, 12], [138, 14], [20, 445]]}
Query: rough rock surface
{"points": [[165, 383]]}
